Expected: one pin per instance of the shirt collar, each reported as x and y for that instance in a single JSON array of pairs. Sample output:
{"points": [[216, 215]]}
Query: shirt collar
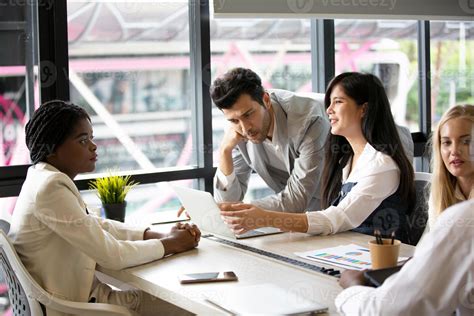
{"points": [[45, 166], [367, 155], [275, 129], [72, 186], [275, 138]]}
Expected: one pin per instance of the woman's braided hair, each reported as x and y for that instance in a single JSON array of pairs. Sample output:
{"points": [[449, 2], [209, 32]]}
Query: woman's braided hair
{"points": [[52, 123]]}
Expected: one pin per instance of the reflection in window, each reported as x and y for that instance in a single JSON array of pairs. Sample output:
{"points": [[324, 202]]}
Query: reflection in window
{"points": [[129, 65], [17, 94], [452, 65], [387, 49]]}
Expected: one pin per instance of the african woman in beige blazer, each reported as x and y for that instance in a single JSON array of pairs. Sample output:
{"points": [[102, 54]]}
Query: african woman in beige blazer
{"points": [[58, 241]]}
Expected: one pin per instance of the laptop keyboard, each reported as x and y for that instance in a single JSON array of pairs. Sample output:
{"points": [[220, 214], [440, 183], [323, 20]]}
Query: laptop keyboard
{"points": [[298, 263]]}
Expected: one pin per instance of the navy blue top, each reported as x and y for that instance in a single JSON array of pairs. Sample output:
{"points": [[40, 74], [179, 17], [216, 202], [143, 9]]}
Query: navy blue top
{"points": [[390, 215]]}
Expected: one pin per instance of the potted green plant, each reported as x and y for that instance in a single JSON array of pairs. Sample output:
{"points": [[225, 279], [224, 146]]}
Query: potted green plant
{"points": [[112, 191]]}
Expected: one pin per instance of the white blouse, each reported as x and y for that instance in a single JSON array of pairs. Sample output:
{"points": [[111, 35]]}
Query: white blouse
{"points": [[377, 177], [438, 280]]}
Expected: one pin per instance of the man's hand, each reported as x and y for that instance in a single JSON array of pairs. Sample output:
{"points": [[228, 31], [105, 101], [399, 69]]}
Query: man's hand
{"points": [[351, 278], [230, 140], [241, 217], [182, 237]]}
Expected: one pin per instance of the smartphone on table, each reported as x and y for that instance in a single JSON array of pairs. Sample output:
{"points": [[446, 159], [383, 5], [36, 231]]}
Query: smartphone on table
{"points": [[207, 277]]}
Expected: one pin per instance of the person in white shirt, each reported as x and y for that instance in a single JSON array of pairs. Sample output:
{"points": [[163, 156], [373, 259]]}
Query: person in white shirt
{"points": [[452, 160], [367, 180], [438, 280], [57, 239], [278, 134]]}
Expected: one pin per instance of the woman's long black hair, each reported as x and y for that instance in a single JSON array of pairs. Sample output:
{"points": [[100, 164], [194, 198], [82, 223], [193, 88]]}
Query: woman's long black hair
{"points": [[378, 128]]}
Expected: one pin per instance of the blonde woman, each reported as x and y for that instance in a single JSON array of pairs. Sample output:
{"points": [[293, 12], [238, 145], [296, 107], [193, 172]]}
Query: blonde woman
{"points": [[452, 160]]}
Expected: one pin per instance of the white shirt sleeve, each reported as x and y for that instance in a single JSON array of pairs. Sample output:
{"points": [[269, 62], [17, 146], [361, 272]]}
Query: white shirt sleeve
{"points": [[318, 223], [223, 181], [357, 205], [437, 281]]}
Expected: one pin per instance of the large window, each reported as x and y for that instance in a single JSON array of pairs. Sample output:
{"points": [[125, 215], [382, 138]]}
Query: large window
{"points": [[134, 66], [18, 86], [388, 49], [452, 65], [129, 67]]}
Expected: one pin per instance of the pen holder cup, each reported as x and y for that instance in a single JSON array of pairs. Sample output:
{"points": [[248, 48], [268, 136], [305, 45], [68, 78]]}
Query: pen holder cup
{"points": [[385, 255]]}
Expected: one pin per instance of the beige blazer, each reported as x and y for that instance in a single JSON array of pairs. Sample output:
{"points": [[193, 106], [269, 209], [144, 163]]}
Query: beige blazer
{"points": [[60, 244]]}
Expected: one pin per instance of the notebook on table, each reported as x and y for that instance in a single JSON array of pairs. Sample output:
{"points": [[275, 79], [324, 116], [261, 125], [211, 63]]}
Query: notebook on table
{"points": [[378, 277], [264, 299]]}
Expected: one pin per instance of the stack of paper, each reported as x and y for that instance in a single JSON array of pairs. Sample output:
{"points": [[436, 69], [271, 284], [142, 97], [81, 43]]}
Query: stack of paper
{"points": [[347, 256]]}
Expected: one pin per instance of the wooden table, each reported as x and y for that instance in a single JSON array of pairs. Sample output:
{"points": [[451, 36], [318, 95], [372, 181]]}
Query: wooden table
{"points": [[160, 278]]}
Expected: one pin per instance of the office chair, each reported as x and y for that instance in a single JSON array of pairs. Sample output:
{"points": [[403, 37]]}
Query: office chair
{"points": [[28, 298], [419, 217]]}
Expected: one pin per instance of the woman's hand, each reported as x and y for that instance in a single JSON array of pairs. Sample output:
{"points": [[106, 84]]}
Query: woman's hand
{"points": [[241, 217], [182, 237], [351, 278], [190, 227]]}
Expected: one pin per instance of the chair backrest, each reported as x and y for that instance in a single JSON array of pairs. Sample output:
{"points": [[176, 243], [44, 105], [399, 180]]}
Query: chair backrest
{"points": [[28, 297], [423, 176], [14, 275], [419, 217], [4, 226]]}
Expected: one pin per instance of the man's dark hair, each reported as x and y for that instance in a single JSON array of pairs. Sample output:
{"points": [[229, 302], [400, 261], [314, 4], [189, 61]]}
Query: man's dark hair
{"points": [[227, 89], [52, 123]]}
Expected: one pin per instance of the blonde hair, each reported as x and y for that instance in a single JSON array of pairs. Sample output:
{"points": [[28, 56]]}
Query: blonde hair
{"points": [[443, 183]]}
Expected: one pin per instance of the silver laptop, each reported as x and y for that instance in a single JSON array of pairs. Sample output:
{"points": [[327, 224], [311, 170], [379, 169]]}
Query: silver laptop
{"points": [[205, 213]]}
